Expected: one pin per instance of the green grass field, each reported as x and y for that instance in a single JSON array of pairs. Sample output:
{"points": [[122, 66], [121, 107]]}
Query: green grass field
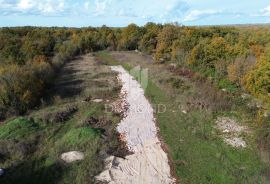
{"points": [[198, 152], [30, 146]]}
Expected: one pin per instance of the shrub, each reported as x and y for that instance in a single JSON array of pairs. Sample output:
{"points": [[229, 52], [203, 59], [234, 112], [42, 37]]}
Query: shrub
{"points": [[130, 37], [149, 41], [239, 68], [165, 40], [68, 50], [20, 87], [38, 42], [257, 81], [58, 61], [258, 50], [208, 52], [64, 115]]}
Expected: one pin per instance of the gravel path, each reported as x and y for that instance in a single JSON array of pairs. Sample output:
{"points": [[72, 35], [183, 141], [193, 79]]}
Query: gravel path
{"points": [[149, 163]]}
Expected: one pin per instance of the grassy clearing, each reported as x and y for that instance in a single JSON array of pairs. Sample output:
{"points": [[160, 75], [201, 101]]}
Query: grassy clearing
{"points": [[18, 129], [199, 155], [30, 146], [79, 136], [198, 152]]}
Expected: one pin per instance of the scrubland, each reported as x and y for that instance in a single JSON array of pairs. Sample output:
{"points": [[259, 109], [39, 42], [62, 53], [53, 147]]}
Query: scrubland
{"points": [[49, 83]]}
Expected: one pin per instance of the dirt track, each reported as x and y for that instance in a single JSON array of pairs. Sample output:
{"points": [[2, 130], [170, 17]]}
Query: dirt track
{"points": [[148, 163]]}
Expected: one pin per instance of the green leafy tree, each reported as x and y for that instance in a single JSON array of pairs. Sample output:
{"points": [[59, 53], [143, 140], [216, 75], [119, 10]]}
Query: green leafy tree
{"points": [[166, 37], [149, 40]]}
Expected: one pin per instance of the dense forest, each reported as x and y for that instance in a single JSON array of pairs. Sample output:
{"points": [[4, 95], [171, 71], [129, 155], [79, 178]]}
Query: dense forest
{"points": [[233, 58]]}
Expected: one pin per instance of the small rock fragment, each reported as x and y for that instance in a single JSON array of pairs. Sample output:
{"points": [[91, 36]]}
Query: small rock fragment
{"points": [[184, 111], [97, 100], [72, 156], [236, 142]]}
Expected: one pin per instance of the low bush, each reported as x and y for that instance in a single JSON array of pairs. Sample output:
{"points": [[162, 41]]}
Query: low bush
{"points": [[257, 81], [59, 116], [64, 115], [20, 87], [239, 68]]}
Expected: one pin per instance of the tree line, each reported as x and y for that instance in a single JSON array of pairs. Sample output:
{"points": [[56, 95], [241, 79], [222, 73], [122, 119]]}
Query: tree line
{"points": [[230, 56]]}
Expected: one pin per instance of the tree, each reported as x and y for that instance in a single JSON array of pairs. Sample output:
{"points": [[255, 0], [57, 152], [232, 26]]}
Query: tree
{"points": [[257, 81], [10, 49], [166, 37], [38, 42], [20, 88], [208, 52], [130, 37], [149, 40]]}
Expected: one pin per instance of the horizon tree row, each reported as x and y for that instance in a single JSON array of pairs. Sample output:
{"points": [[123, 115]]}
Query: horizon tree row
{"points": [[230, 56]]}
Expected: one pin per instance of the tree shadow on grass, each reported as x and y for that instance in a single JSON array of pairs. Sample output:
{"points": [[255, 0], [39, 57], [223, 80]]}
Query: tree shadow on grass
{"points": [[32, 173], [67, 86]]}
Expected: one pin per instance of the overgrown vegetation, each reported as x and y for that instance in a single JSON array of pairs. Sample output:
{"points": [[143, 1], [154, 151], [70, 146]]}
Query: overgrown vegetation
{"points": [[31, 146], [232, 57]]}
